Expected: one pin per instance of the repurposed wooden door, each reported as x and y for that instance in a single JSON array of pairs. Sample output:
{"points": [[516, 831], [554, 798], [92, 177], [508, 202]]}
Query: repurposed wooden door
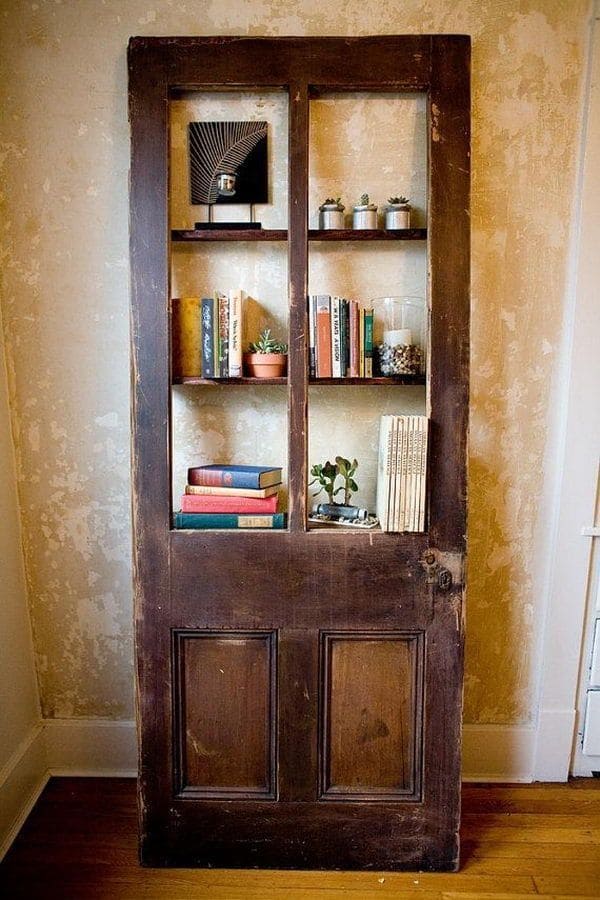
{"points": [[300, 691]]}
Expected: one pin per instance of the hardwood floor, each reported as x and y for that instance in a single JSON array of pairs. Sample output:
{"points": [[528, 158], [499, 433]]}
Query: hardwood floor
{"points": [[517, 840]]}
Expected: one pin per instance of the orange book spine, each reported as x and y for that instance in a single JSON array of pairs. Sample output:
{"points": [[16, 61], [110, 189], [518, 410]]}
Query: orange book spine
{"points": [[353, 370], [324, 369]]}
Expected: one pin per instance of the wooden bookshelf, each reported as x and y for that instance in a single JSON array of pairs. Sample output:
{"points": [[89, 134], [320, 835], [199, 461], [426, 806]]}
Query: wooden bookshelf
{"points": [[265, 234], [300, 696], [367, 382], [229, 381]]}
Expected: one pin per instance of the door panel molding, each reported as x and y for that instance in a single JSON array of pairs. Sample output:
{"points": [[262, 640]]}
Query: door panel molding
{"points": [[370, 713], [225, 711]]}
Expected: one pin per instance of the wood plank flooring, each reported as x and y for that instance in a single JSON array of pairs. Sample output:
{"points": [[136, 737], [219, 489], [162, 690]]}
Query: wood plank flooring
{"points": [[517, 841]]}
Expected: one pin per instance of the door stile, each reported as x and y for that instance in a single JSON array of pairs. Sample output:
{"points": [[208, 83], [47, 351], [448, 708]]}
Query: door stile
{"points": [[298, 289], [448, 231], [148, 111]]}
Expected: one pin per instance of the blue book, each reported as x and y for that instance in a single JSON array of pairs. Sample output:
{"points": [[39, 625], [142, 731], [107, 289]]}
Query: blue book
{"points": [[229, 520], [208, 337], [252, 477]]}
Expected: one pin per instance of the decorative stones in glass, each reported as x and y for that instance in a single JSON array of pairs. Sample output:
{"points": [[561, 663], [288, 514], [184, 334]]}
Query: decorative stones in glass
{"points": [[331, 216], [364, 217], [397, 215], [400, 337]]}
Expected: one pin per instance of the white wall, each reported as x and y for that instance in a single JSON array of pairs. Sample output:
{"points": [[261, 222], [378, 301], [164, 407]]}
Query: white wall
{"points": [[20, 764]]}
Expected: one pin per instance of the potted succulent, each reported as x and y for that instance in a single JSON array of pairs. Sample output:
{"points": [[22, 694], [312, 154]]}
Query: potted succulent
{"points": [[331, 214], [365, 214], [266, 357], [397, 213]]}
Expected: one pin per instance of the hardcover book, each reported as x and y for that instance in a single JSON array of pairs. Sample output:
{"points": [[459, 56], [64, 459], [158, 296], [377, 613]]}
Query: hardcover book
{"points": [[235, 333], [208, 338], [234, 476], [228, 520], [186, 336], [323, 305], [204, 503], [204, 490]]}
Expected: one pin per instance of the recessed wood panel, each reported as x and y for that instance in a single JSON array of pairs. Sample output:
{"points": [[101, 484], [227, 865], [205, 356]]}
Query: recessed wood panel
{"points": [[225, 708], [372, 710]]}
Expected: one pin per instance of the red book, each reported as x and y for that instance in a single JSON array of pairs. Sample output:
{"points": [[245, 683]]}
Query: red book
{"points": [[200, 503], [323, 330]]}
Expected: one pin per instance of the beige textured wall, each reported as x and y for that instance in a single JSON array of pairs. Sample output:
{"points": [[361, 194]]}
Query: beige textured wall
{"points": [[65, 295]]}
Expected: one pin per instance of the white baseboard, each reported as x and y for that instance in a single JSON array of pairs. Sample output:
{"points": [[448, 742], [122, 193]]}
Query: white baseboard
{"points": [[101, 747], [498, 753], [553, 745], [91, 747], [22, 780]]}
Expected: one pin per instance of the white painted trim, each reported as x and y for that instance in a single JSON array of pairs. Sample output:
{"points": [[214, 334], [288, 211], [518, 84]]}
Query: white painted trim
{"points": [[22, 780], [91, 747], [554, 740], [498, 753], [570, 463], [105, 748]]}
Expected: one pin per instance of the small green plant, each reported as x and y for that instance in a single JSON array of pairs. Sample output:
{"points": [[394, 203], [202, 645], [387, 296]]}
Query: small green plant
{"points": [[333, 201], [364, 200], [395, 201], [347, 469], [326, 474], [267, 344]]}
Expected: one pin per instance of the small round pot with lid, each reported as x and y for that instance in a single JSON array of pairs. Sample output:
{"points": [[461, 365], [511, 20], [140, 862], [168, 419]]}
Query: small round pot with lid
{"points": [[397, 214], [364, 216], [331, 214]]}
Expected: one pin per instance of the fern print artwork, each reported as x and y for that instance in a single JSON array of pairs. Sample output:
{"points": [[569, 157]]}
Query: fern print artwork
{"points": [[232, 153]]}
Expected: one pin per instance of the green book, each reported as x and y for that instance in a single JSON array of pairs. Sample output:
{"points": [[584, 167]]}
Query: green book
{"points": [[229, 520], [369, 343]]}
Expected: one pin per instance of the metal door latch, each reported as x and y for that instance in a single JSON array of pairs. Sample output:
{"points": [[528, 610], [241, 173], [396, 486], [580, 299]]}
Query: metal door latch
{"points": [[437, 573]]}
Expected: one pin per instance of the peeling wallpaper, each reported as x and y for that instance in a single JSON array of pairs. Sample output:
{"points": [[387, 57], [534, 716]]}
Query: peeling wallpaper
{"points": [[64, 168]]}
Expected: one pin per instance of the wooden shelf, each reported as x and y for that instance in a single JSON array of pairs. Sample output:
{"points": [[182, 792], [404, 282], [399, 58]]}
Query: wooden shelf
{"points": [[193, 379], [228, 234], [394, 379], [361, 382], [314, 234], [376, 234]]}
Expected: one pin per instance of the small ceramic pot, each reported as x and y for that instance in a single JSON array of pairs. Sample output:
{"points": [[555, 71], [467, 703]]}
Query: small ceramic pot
{"points": [[364, 217], [265, 365], [331, 216], [397, 216]]}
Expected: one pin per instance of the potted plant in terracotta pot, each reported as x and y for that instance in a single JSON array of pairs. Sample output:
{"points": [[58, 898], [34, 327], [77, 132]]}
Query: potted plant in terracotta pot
{"points": [[397, 213], [266, 357]]}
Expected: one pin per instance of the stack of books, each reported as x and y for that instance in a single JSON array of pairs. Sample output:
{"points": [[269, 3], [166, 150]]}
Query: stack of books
{"points": [[340, 338], [222, 335], [402, 473], [207, 335], [220, 496]]}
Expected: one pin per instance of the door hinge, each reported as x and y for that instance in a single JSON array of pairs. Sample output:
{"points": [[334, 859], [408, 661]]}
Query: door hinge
{"points": [[442, 568]]}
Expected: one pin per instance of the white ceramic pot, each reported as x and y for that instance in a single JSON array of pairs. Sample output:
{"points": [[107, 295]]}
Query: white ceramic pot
{"points": [[364, 217], [331, 217], [397, 216]]}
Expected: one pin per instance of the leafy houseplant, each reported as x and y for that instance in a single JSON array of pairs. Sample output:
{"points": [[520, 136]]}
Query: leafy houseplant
{"points": [[326, 475], [365, 214], [266, 357], [331, 214], [347, 469], [397, 213]]}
